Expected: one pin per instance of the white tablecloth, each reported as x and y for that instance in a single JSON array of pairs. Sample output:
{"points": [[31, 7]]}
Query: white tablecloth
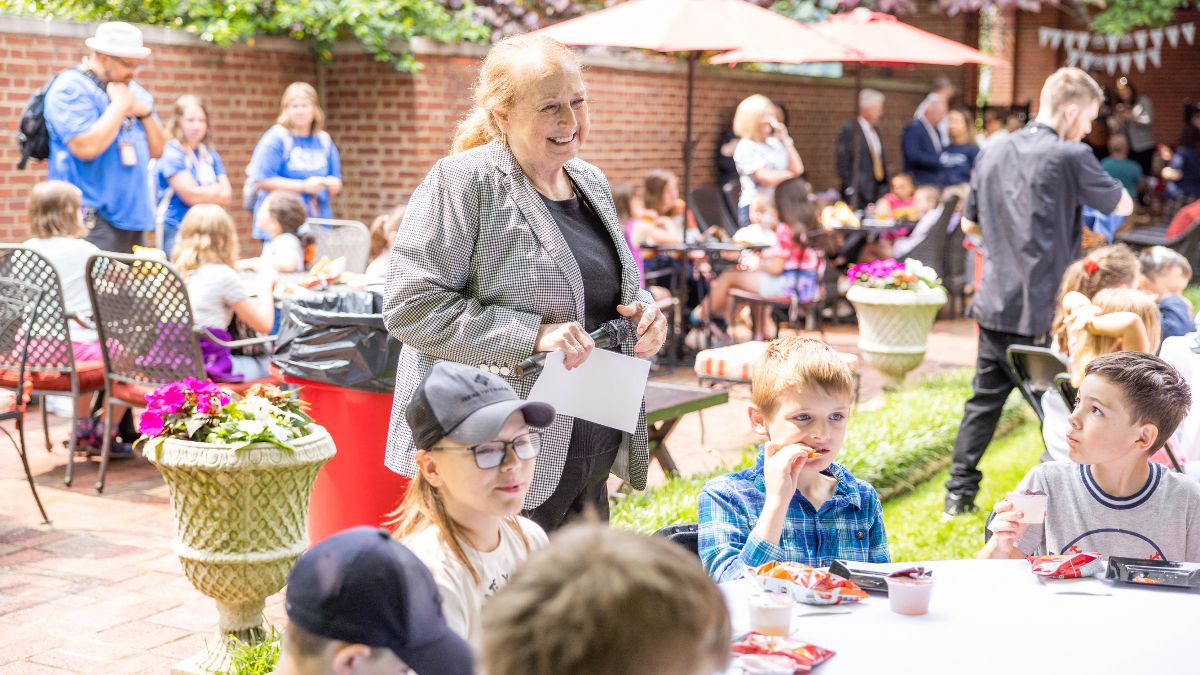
{"points": [[995, 616], [1177, 351]]}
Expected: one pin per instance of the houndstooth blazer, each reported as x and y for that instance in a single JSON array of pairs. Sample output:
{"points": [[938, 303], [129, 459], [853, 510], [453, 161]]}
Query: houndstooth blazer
{"points": [[478, 266]]}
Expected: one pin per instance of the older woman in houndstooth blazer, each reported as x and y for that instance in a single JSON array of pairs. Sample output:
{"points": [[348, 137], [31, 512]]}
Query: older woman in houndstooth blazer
{"points": [[511, 247]]}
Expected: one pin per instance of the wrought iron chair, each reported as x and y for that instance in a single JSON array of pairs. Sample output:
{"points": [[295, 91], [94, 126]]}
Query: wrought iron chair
{"points": [[932, 249], [732, 192], [19, 306], [51, 362], [347, 239], [708, 205], [686, 535], [147, 333]]}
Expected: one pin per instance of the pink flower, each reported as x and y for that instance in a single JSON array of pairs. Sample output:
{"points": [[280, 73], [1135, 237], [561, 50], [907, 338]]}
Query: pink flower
{"points": [[150, 424]]}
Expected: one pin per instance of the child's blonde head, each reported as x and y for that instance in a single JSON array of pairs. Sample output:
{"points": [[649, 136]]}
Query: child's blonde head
{"points": [[797, 363], [599, 600], [1113, 266], [762, 209], [206, 236], [54, 210], [1112, 300], [902, 185]]}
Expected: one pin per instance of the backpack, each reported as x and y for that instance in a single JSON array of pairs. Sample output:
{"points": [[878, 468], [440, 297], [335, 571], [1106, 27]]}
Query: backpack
{"points": [[250, 187], [33, 136]]}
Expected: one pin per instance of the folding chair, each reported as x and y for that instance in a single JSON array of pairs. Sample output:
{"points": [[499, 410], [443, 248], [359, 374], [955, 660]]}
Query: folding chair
{"points": [[732, 191], [51, 362], [1034, 370], [19, 306], [686, 535], [347, 239], [147, 334], [708, 205], [932, 249]]}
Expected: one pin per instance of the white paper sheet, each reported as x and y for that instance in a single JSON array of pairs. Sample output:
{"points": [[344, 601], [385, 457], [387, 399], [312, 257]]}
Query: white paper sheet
{"points": [[607, 389]]}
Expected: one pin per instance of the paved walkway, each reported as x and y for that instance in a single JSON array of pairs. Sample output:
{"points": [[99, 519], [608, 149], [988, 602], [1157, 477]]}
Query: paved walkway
{"points": [[99, 590]]}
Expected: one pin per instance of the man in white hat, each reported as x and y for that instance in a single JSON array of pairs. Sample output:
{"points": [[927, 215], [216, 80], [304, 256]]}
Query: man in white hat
{"points": [[103, 133]]}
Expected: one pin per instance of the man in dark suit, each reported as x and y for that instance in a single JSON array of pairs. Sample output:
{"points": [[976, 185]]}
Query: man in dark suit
{"points": [[860, 160], [922, 144]]}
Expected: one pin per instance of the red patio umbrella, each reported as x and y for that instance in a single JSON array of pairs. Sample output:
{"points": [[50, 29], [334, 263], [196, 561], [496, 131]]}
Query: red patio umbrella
{"points": [[693, 26]]}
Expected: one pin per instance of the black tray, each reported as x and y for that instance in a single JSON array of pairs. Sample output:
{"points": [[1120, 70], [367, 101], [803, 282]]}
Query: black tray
{"points": [[873, 581], [1153, 572]]}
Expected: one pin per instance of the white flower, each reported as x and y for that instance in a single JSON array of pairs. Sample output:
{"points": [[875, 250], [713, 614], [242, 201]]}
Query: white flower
{"points": [[250, 427]]}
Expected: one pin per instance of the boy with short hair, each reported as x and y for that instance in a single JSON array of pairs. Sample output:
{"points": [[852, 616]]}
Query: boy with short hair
{"points": [[597, 601], [1119, 166], [1110, 498], [795, 504], [360, 602], [281, 216], [1165, 273]]}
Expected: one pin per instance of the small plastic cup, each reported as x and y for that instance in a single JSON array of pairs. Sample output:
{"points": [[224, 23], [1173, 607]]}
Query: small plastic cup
{"points": [[771, 614], [1032, 506], [910, 596]]}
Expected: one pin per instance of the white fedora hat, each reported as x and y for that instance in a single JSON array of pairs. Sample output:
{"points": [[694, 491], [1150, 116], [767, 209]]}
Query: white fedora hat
{"points": [[117, 38]]}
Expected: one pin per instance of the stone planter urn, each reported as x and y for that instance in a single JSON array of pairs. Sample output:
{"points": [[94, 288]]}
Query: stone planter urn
{"points": [[240, 521], [893, 326]]}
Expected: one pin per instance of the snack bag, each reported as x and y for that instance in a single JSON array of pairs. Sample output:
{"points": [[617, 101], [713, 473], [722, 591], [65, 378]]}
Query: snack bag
{"points": [[806, 584], [1072, 566], [805, 656]]}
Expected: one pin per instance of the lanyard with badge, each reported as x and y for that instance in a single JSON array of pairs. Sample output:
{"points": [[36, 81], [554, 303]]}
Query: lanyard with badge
{"points": [[125, 146]]}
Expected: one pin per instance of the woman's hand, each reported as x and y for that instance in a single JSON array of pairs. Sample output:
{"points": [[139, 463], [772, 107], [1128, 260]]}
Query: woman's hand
{"points": [[334, 185], [569, 338], [314, 184], [651, 327]]}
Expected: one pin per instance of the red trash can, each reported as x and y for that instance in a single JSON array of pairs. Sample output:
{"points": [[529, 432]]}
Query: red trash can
{"points": [[353, 488]]}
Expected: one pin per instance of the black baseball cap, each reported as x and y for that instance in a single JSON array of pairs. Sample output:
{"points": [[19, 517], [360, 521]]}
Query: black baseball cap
{"points": [[363, 587], [466, 404]]}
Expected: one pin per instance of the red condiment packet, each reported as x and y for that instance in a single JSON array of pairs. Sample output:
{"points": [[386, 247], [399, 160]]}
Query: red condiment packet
{"points": [[1067, 566], [806, 656], [806, 584]]}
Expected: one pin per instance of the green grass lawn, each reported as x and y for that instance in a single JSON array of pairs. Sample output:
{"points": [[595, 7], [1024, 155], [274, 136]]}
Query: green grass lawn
{"points": [[1192, 293], [914, 522]]}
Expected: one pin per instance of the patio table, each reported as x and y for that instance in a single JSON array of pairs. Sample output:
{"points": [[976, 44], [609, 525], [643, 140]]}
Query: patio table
{"points": [[666, 404], [995, 616]]}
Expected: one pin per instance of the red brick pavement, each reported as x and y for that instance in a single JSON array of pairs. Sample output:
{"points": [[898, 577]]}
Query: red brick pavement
{"points": [[99, 590]]}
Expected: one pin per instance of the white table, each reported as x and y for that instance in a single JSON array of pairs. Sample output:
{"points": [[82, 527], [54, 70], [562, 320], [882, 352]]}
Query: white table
{"points": [[1177, 351], [995, 616]]}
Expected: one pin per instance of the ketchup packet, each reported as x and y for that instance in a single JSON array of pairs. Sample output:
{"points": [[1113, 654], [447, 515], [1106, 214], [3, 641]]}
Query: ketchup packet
{"points": [[805, 656], [806, 584], [1072, 566]]}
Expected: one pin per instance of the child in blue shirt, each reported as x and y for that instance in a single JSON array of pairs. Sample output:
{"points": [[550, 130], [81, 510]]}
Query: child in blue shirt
{"points": [[795, 504], [1165, 273]]}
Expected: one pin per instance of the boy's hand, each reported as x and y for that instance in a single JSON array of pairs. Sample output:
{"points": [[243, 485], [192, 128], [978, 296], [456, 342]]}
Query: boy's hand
{"points": [[1005, 531], [781, 470]]}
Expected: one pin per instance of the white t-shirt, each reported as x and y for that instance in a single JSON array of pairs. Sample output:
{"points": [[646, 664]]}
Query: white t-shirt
{"points": [[379, 266], [214, 289], [285, 251], [462, 598], [1177, 351], [1161, 520], [750, 156], [68, 256]]}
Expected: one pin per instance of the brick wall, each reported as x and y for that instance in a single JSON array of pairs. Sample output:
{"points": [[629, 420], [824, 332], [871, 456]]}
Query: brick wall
{"points": [[392, 127], [1167, 87]]}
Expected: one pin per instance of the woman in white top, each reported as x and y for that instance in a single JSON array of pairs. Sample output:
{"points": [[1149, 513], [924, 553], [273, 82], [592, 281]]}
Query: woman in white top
{"points": [[766, 155]]}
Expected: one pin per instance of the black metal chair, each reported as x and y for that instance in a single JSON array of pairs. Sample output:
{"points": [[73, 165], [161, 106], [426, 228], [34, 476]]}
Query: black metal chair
{"points": [[147, 334], [1034, 370], [957, 272], [708, 206], [51, 362], [932, 249], [1187, 242], [19, 306], [347, 239], [686, 535], [1062, 382], [732, 192]]}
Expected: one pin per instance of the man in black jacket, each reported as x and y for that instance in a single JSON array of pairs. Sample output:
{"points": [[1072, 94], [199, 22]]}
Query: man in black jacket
{"points": [[860, 159]]}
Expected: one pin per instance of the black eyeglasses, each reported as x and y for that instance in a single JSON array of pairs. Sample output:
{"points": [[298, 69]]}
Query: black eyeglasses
{"points": [[491, 454]]}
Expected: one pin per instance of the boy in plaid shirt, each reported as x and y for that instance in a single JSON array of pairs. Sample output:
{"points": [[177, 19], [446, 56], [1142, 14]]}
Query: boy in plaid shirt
{"points": [[795, 504]]}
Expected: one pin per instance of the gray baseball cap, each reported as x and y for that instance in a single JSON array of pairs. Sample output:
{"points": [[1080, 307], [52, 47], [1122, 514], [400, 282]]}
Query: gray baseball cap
{"points": [[466, 404]]}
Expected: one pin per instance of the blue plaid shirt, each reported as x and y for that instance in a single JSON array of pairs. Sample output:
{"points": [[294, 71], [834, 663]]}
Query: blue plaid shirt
{"points": [[849, 526]]}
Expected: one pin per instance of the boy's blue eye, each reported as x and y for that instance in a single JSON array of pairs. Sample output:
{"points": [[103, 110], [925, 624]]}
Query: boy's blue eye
{"points": [[837, 417], [802, 417]]}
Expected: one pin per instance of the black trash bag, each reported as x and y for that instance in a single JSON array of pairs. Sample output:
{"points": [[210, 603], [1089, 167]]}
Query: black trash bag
{"points": [[338, 338]]}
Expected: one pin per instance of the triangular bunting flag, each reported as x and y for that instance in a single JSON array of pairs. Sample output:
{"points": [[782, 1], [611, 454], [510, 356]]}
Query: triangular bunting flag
{"points": [[1072, 57], [1110, 63], [1155, 56], [1044, 36], [1127, 41], [1156, 37], [1124, 60], [1139, 58], [1189, 32], [1086, 61], [1081, 40], [1056, 37], [1173, 36], [1140, 38], [1097, 42], [1112, 41]]}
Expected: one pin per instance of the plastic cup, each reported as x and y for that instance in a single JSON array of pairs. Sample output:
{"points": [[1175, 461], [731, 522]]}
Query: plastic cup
{"points": [[910, 596], [771, 614], [1033, 506]]}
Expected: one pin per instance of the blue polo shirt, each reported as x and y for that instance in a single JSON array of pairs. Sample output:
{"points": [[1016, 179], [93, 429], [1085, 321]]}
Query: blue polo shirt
{"points": [[306, 156], [121, 194], [175, 160]]}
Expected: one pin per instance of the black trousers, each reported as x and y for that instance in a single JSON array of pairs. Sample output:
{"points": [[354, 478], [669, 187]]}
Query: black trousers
{"points": [[992, 384], [106, 237], [582, 488]]}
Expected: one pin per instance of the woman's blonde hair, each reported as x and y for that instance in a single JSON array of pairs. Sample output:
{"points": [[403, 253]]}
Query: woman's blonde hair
{"points": [[1106, 267], [206, 235], [1112, 300], [748, 117], [503, 74], [175, 125], [423, 506], [54, 210], [306, 91]]}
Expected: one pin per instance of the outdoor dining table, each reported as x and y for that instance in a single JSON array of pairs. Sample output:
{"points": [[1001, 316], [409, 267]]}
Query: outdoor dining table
{"points": [[995, 616]]}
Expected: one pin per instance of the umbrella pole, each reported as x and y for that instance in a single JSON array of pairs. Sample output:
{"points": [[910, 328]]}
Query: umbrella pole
{"points": [[857, 84], [687, 139]]}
